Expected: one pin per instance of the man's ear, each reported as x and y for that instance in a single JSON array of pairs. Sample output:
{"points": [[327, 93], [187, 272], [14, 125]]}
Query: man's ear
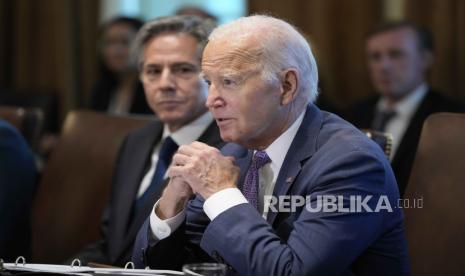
{"points": [[289, 85]]}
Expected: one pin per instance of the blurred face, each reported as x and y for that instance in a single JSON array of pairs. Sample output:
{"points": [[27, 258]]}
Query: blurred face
{"points": [[396, 64], [170, 75], [246, 108], [117, 39]]}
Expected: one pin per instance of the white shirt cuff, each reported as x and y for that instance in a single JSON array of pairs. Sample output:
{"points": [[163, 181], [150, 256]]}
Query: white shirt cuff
{"points": [[163, 228], [221, 201]]}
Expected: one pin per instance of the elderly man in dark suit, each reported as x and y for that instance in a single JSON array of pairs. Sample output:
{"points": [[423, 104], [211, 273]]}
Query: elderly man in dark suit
{"points": [[169, 51], [261, 204], [399, 56]]}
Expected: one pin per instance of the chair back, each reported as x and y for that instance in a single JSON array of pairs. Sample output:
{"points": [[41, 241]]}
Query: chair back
{"points": [[76, 182], [435, 223]]}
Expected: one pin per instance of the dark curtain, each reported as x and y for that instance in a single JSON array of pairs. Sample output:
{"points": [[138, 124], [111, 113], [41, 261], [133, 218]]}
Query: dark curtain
{"points": [[48, 48]]}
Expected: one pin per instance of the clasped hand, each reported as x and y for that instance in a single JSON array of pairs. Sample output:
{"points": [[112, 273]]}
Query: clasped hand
{"points": [[202, 169]]}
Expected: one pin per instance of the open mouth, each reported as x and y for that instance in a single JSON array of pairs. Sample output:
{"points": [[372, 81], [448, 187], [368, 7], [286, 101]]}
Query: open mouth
{"points": [[223, 121]]}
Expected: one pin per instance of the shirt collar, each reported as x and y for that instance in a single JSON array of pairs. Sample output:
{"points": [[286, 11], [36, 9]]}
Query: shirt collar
{"points": [[408, 105], [278, 149], [190, 132]]}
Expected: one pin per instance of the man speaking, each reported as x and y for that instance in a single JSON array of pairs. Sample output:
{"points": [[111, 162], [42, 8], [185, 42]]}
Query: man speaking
{"points": [[262, 79]]}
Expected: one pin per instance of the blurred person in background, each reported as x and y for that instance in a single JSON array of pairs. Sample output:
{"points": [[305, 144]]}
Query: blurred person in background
{"points": [[18, 179], [399, 56], [118, 89]]}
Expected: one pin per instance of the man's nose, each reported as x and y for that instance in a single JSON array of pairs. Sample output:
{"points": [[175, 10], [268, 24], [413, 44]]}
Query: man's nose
{"points": [[214, 99], [167, 79], [383, 62]]}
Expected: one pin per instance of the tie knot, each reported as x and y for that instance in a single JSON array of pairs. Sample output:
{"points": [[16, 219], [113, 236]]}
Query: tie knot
{"points": [[382, 118], [168, 148], [260, 159]]}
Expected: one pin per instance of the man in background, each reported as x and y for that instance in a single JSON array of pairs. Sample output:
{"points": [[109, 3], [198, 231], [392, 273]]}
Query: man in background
{"points": [[169, 52], [399, 55]]}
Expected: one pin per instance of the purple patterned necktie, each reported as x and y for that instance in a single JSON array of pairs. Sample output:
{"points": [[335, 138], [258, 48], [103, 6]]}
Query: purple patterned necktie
{"points": [[250, 189]]}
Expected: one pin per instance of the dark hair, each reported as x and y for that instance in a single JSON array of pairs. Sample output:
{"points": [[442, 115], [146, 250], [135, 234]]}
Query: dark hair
{"points": [[197, 27], [134, 23], [107, 80], [425, 37]]}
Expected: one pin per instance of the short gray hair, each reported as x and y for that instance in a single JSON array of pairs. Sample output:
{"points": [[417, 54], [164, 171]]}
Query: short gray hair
{"points": [[283, 47], [192, 25]]}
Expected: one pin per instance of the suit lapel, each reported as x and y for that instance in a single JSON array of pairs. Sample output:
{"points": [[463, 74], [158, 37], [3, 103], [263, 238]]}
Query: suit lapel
{"points": [[244, 163], [134, 169], [302, 148], [211, 136], [242, 159], [410, 137]]}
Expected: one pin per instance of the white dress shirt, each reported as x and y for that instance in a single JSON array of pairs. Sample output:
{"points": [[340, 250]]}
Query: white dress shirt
{"points": [[404, 111], [228, 198], [183, 136]]}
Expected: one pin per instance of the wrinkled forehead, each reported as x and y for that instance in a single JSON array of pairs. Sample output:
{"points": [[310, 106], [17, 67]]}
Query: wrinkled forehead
{"points": [[232, 56]]}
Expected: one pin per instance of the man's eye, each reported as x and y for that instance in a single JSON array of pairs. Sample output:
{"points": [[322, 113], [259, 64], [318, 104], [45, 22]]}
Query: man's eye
{"points": [[183, 70], [228, 82], [208, 82], [187, 70], [396, 54], [152, 71]]}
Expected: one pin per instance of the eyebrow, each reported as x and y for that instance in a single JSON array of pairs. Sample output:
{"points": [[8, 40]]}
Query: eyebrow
{"points": [[224, 75], [173, 64]]}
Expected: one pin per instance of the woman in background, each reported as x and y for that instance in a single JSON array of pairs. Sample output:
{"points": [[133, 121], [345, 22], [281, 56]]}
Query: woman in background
{"points": [[118, 90]]}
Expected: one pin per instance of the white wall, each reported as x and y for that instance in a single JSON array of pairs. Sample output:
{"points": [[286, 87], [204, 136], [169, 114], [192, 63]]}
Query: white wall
{"points": [[225, 10]]}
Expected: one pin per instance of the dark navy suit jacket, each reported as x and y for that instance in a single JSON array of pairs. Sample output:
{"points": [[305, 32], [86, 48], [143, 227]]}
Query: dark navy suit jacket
{"points": [[328, 156], [18, 180]]}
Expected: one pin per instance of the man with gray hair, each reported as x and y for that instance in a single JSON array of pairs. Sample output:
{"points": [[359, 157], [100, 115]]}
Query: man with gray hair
{"points": [[298, 191], [169, 52]]}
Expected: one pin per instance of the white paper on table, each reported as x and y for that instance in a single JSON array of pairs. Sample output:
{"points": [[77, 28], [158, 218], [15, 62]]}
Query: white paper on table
{"points": [[81, 270]]}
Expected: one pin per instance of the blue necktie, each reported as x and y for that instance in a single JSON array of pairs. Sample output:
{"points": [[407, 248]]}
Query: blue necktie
{"points": [[167, 151], [250, 188]]}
